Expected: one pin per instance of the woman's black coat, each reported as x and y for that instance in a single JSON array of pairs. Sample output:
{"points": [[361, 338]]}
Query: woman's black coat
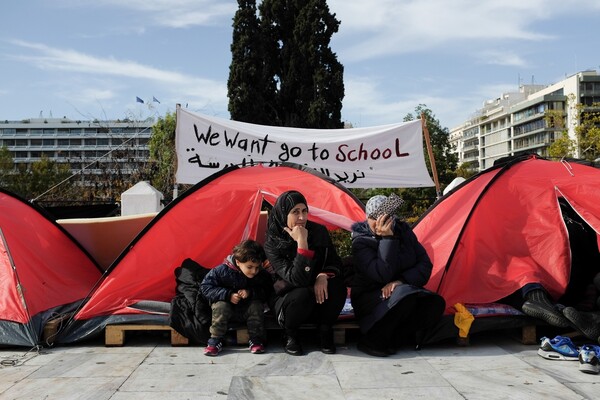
{"points": [[380, 260]]}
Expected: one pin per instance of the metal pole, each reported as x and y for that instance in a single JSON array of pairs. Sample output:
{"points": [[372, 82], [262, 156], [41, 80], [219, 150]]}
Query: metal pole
{"points": [[431, 156]]}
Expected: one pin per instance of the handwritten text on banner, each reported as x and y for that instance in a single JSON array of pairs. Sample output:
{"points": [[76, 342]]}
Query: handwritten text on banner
{"points": [[380, 156]]}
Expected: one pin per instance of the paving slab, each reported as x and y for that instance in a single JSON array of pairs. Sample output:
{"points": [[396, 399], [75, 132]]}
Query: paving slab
{"points": [[491, 367]]}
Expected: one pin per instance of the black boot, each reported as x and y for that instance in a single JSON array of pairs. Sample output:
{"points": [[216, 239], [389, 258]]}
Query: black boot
{"points": [[327, 342], [292, 344], [587, 323], [367, 346], [538, 305]]}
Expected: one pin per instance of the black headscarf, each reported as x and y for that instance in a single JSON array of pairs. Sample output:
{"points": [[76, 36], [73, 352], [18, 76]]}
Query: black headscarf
{"points": [[278, 218]]}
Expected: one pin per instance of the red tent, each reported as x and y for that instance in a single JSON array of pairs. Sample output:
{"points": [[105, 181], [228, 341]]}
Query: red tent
{"points": [[503, 228], [204, 224], [43, 271]]}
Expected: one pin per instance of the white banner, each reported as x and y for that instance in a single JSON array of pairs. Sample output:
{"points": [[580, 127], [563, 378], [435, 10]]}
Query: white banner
{"points": [[376, 157]]}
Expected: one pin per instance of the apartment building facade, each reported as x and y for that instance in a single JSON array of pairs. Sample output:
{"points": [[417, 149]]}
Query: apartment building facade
{"points": [[87, 146], [517, 123]]}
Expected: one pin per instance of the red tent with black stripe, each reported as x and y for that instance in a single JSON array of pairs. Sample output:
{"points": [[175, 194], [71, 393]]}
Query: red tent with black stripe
{"points": [[203, 224], [504, 228], [44, 272]]}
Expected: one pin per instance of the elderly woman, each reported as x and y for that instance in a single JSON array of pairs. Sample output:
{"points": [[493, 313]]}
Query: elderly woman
{"points": [[391, 268], [308, 285]]}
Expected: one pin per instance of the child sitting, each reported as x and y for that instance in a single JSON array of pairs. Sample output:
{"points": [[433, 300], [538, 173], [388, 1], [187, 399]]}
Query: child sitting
{"points": [[237, 291]]}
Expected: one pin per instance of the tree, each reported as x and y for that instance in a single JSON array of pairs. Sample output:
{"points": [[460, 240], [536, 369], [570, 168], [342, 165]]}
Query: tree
{"points": [[418, 200], [6, 167], [587, 132], [562, 146], [285, 73], [466, 169], [38, 180], [44, 175], [163, 156], [446, 161], [315, 74], [251, 85]]}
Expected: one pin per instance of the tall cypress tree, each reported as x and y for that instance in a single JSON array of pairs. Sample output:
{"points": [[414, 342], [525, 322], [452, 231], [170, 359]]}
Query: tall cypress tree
{"points": [[323, 87], [251, 88], [301, 76]]}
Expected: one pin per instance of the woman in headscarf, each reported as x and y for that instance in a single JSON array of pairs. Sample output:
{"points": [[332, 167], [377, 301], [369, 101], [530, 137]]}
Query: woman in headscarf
{"points": [[391, 268], [308, 281]]}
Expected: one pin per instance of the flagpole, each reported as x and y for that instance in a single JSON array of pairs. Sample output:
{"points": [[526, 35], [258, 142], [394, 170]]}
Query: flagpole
{"points": [[431, 156]]}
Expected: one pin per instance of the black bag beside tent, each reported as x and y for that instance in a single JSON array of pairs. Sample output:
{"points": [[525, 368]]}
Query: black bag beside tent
{"points": [[190, 312]]}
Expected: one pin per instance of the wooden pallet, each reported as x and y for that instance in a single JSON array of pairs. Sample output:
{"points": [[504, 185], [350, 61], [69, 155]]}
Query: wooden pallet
{"points": [[528, 335], [339, 331], [52, 327], [115, 334]]}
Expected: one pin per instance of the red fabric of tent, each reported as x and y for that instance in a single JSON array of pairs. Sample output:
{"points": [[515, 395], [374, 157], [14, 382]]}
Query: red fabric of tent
{"points": [[204, 224], [503, 228], [41, 268]]}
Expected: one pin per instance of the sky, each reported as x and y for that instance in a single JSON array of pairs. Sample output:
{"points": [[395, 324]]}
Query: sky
{"points": [[91, 59]]}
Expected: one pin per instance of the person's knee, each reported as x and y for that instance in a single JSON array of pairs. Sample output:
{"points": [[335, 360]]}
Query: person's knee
{"points": [[336, 284], [256, 308], [300, 296], [298, 305], [222, 309]]}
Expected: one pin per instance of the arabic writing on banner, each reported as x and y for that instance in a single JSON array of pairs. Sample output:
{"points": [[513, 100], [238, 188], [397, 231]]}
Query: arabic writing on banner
{"points": [[382, 156]]}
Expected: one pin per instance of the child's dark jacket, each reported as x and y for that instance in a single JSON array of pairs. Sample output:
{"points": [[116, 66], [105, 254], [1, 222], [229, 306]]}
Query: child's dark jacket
{"points": [[226, 279]]}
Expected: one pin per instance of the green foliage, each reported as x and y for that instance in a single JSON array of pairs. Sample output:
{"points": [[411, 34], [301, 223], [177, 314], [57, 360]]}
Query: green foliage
{"points": [[588, 131], [466, 169], [251, 85], [342, 241], [420, 199], [563, 146], [36, 181], [163, 156], [283, 71], [6, 167]]}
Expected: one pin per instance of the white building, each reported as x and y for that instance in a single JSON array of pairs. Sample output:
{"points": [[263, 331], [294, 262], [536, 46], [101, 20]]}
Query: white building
{"points": [[85, 145], [515, 123]]}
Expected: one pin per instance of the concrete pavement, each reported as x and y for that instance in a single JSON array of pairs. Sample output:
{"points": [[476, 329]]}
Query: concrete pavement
{"points": [[492, 367]]}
